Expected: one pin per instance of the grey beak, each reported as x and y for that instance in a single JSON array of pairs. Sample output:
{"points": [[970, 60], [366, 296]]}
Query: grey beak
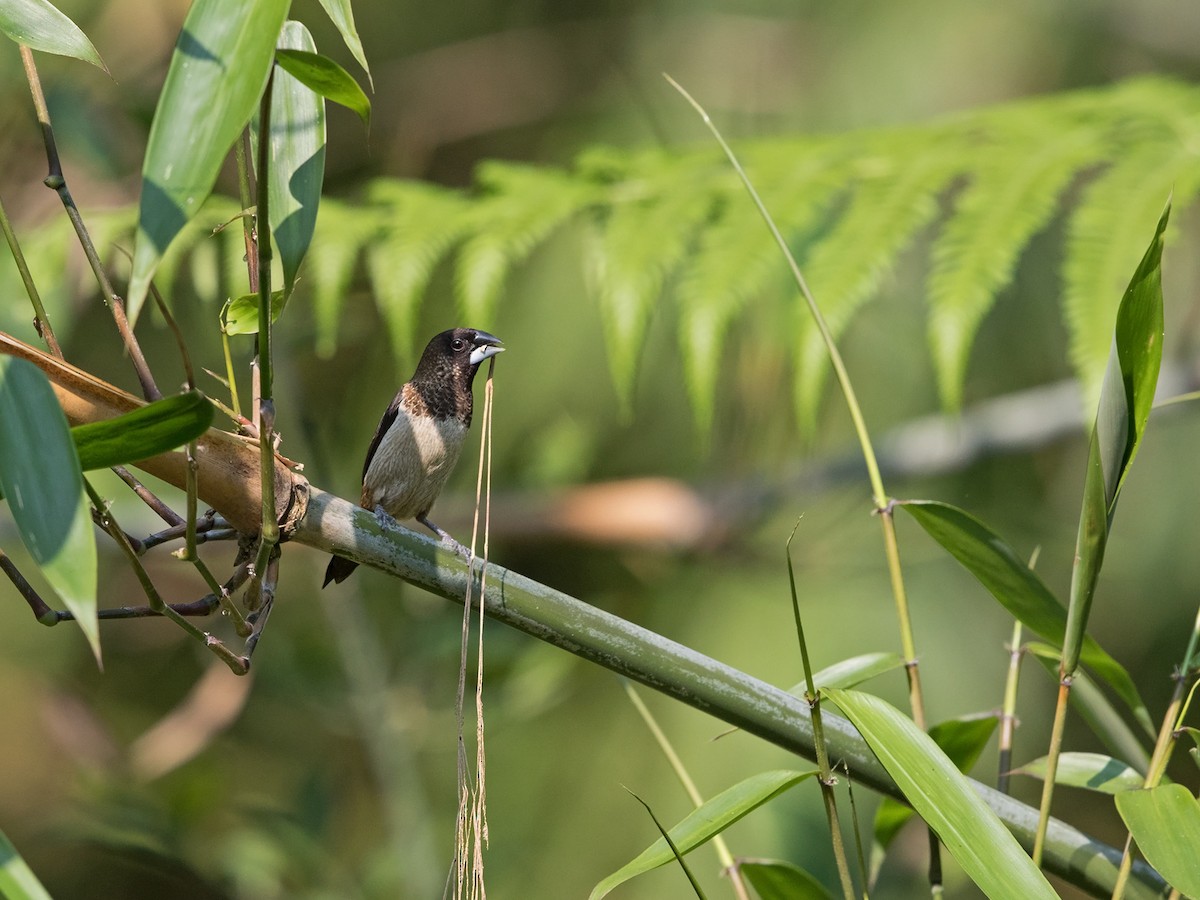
{"points": [[485, 345]]}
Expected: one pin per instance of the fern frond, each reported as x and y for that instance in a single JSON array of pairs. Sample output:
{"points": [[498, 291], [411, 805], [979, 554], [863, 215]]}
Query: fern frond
{"points": [[1014, 191], [421, 224], [895, 198], [521, 206], [1118, 210], [642, 241], [341, 232], [735, 261]]}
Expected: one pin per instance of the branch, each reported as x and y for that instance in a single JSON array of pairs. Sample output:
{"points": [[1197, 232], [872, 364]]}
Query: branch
{"points": [[335, 525]]}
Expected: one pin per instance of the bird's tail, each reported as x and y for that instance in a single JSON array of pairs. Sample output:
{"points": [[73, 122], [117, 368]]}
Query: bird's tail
{"points": [[339, 570]]}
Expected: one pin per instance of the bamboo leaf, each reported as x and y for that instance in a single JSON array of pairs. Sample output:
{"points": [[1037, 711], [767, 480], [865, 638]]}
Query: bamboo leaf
{"points": [[944, 798], [217, 75], [42, 481], [706, 821], [1093, 771], [1018, 588], [341, 234], [962, 740], [775, 879], [39, 25], [1125, 400], [297, 155], [342, 16], [323, 76], [852, 672], [240, 315], [155, 428], [17, 881], [1165, 822]]}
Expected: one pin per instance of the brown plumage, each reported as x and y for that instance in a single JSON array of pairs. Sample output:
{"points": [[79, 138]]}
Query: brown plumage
{"points": [[419, 438]]}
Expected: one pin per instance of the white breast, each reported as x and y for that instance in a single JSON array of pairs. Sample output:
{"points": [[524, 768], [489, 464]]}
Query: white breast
{"points": [[411, 465]]}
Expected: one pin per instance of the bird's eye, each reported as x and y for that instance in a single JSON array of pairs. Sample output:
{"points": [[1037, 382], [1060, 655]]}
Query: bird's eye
{"points": [[458, 344]]}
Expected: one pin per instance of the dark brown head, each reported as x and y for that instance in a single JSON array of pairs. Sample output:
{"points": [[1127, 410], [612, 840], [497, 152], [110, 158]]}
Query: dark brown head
{"points": [[442, 382]]}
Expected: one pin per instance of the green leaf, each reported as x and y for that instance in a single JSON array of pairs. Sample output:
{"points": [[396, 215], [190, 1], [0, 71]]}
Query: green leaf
{"points": [[240, 315], [297, 157], [1097, 711], [1093, 771], [217, 75], [944, 798], [39, 25], [775, 879], [325, 77], [997, 567], [42, 481], [1012, 195], [155, 428], [962, 740], [852, 672], [1125, 400], [17, 881], [675, 851], [1165, 822], [342, 16], [341, 233], [706, 821]]}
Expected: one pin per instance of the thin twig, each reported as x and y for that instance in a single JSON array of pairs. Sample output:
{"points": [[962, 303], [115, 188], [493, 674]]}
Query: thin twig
{"points": [[40, 320], [41, 610]]}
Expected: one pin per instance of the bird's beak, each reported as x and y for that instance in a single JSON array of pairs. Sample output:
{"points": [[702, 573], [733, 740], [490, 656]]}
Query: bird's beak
{"points": [[484, 345]]}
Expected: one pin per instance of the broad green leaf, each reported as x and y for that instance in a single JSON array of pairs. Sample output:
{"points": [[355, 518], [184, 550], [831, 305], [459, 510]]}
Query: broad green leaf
{"points": [[944, 798], [1097, 711], [39, 25], [962, 740], [775, 879], [1165, 822], [217, 75], [853, 671], [706, 821], [323, 76], [17, 881], [342, 16], [155, 428], [240, 315], [297, 157], [1126, 396], [1018, 588], [42, 481], [1093, 771]]}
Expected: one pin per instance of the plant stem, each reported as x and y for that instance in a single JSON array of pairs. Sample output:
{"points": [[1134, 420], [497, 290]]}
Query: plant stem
{"points": [[1008, 715], [40, 321], [1056, 737], [57, 182]]}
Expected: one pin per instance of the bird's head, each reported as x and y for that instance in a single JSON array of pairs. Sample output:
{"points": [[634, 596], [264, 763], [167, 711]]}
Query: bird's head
{"points": [[454, 356]]}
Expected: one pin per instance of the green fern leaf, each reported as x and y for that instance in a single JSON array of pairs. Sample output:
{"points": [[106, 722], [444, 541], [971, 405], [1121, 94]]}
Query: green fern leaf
{"points": [[736, 259], [1102, 245], [521, 206], [1013, 193], [639, 245], [204, 270], [897, 196], [341, 232], [422, 224]]}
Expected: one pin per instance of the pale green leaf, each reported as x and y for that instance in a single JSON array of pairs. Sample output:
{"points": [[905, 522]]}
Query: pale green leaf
{"points": [[1093, 771], [217, 75], [705, 822], [342, 16], [17, 881], [43, 484], [240, 315], [852, 672], [1165, 822], [325, 77], [296, 169], [39, 25], [945, 799]]}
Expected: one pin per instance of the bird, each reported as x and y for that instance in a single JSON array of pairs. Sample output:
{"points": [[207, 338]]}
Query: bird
{"points": [[420, 436]]}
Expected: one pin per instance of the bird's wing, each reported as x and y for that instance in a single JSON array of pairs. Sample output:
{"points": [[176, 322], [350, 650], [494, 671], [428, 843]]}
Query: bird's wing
{"points": [[384, 424]]}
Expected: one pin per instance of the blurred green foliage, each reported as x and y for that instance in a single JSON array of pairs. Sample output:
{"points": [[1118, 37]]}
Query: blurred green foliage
{"points": [[336, 778]]}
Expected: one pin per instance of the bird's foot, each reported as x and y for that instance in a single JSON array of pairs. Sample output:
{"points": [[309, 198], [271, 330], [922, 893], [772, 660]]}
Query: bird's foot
{"points": [[446, 538], [385, 520]]}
